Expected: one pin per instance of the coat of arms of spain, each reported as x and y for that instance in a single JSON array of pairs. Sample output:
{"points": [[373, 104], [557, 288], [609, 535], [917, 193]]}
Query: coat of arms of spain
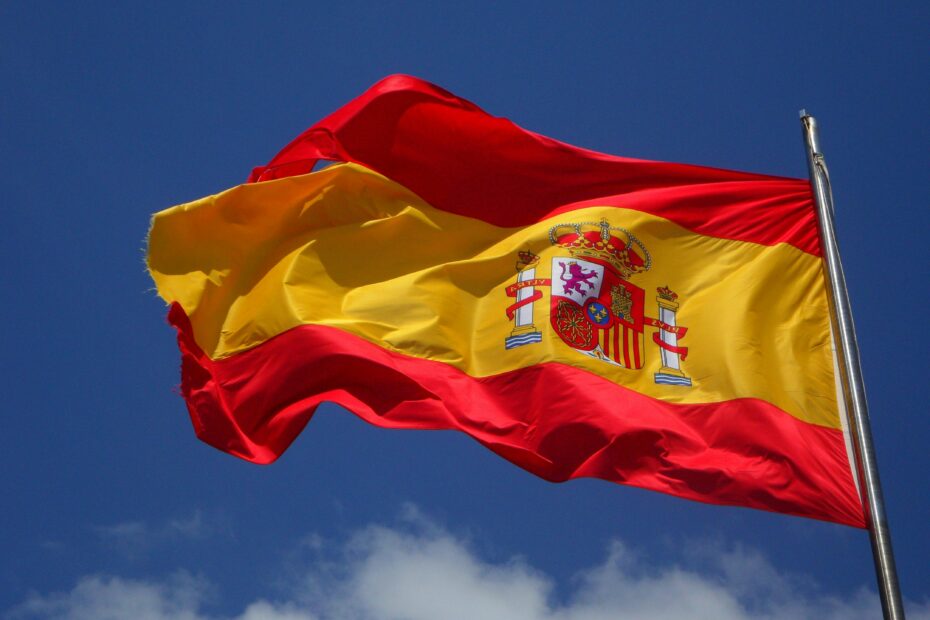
{"points": [[593, 307]]}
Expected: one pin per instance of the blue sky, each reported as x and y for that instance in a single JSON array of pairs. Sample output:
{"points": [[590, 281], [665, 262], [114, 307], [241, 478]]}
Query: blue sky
{"points": [[109, 113]]}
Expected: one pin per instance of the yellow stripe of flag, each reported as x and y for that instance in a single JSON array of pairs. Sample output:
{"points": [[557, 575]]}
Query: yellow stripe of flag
{"points": [[348, 248]]}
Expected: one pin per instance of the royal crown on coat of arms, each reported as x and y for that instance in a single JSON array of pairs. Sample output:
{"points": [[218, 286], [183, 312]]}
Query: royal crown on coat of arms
{"points": [[594, 308], [594, 240]]}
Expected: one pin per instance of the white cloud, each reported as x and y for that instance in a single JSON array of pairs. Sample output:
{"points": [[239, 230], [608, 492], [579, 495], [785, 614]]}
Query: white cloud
{"points": [[193, 526], [419, 571], [113, 598], [136, 538]]}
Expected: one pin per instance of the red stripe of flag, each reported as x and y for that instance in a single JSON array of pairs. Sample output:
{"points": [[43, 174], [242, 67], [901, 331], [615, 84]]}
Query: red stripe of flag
{"points": [[706, 452], [462, 160]]}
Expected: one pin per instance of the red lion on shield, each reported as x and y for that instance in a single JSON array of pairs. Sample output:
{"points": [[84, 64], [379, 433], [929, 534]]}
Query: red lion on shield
{"points": [[577, 277]]}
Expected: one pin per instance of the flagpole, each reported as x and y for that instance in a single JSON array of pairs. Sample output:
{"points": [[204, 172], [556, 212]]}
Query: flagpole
{"points": [[857, 409]]}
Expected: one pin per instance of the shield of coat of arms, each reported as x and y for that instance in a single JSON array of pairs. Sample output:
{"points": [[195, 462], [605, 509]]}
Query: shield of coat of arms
{"points": [[596, 312], [594, 309]]}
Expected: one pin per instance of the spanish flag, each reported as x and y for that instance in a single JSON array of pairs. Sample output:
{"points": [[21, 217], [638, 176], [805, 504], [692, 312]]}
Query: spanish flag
{"points": [[653, 324]]}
